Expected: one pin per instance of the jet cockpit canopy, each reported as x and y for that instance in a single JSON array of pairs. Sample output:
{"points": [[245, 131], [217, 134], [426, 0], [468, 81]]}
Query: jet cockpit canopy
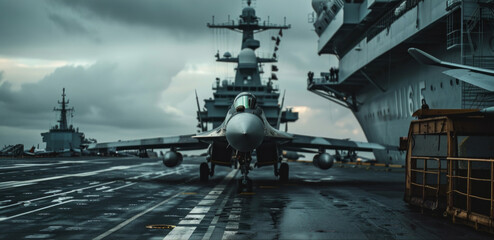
{"points": [[245, 99]]}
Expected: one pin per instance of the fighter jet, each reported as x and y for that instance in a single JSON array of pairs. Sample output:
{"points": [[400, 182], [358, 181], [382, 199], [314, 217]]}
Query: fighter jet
{"points": [[244, 130]]}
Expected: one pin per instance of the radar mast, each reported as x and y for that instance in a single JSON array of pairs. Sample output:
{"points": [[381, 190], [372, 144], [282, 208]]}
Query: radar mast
{"points": [[247, 73], [63, 112]]}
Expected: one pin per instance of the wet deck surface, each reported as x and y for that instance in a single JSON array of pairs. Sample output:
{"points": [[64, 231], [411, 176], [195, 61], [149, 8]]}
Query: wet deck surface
{"points": [[119, 198]]}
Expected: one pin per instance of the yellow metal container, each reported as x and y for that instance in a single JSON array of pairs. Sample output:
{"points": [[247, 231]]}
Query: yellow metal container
{"points": [[450, 165]]}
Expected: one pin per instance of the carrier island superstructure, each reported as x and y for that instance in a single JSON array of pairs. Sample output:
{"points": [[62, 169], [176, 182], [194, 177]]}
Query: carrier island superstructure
{"points": [[247, 73], [63, 137], [379, 81]]}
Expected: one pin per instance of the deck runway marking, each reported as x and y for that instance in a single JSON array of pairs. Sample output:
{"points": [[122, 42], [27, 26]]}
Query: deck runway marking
{"points": [[13, 184], [231, 226], [36, 210], [102, 188], [53, 191], [54, 195], [229, 235], [211, 197], [197, 210], [24, 165], [185, 232], [216, 218], [117, 188], [192, 219], [130, 184], [206, 202], [215, 192], [180, 233], [233, 219], [123, 224]]}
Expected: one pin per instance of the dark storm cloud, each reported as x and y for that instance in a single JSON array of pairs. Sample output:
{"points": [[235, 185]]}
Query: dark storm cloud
{"points": [[178, 15], [80, 29], [20, 22], [38, 29], [104, 94], [70, 26]]}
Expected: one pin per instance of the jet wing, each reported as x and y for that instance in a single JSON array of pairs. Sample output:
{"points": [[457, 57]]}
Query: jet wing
{"points": [[272, 133], [183, 142], [480, 77], [303, 141], [217, 134]]}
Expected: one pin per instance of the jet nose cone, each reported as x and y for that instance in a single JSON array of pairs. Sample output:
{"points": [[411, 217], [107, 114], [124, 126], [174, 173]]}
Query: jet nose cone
{"points": [[245, 132]]}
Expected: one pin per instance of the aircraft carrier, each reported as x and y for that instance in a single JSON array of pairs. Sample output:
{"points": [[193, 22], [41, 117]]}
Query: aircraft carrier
{"points": [[140, 198], [379, 81]]}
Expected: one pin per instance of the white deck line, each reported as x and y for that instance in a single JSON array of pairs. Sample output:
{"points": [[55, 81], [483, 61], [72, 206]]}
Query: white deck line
{"points": [[182, 232], [123, 224], [13, 184], [35, 210]]}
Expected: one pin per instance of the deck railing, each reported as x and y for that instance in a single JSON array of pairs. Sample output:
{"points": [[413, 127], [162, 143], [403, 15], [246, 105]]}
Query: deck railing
{"points": [[471, 190], [461, 187]]}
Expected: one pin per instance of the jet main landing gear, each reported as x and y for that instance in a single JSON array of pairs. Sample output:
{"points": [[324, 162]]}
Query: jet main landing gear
{"points": [[283, 172], [204, 172]]}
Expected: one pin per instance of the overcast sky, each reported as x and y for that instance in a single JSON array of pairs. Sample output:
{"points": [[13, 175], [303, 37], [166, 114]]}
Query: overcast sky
{"points": [[130, 67]]}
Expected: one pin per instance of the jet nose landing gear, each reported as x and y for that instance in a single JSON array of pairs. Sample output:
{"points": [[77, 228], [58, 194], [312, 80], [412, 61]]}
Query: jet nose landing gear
{"points": [[244, 183]]}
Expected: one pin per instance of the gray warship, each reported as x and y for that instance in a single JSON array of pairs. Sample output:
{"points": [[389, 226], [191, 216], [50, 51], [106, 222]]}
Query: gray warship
{"points": [[63, 138], [379, 81], [247, 74]]}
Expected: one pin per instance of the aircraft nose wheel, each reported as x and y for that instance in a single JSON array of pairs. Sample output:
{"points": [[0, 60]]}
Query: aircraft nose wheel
{"points": [[284, 169], [244, 185], [204, 172]]}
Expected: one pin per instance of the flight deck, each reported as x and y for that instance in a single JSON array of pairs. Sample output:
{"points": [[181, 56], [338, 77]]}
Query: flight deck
{"points": [[136, 198]]}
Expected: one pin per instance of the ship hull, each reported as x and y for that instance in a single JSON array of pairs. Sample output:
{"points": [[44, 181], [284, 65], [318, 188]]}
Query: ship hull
{"points": [[385, 115]]}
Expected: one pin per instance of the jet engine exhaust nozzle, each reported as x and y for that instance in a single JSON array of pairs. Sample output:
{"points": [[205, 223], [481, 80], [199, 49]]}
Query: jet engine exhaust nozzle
{"points": [[245, 132]]}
